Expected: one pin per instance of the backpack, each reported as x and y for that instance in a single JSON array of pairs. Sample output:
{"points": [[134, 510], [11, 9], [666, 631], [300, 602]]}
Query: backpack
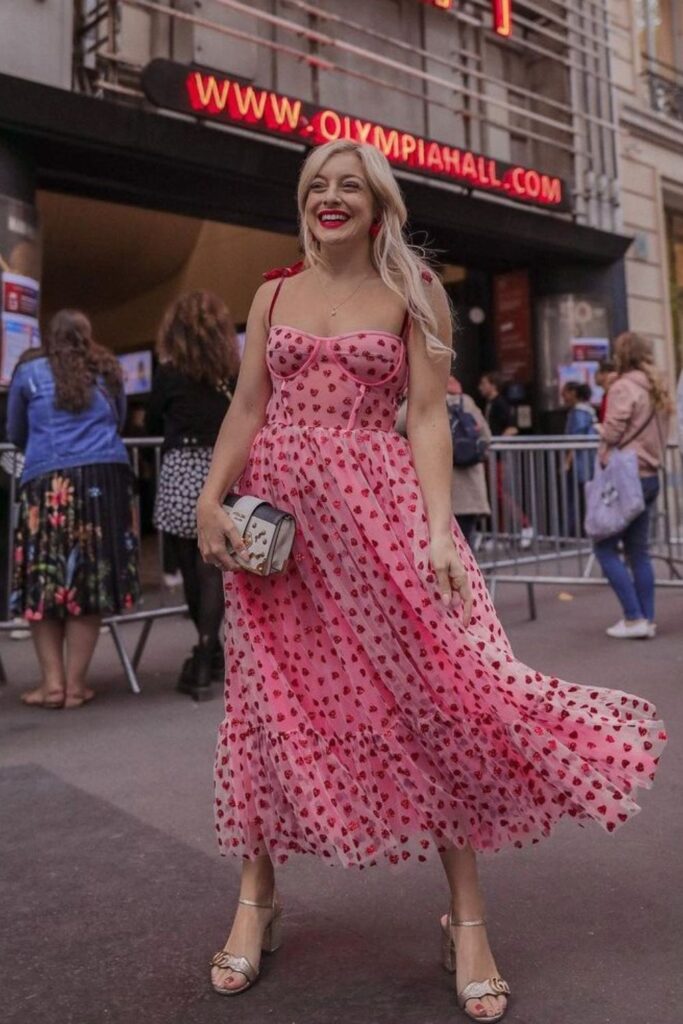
{"points": [[469, 447]]}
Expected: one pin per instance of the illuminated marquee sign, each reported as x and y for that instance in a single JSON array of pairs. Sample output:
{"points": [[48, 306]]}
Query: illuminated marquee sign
{"points": [[215, 97], [501, 13]]}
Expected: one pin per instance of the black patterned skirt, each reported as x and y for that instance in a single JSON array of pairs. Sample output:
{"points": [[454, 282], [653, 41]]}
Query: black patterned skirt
{"points": [[182, 476], [76, 544]]}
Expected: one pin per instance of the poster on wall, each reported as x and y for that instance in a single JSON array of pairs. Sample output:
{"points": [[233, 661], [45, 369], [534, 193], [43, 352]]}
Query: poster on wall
{"points": [[589, 349], [512, 326], [570, 328], [18, 320], [587, 354], [20, 295], [583, 372]]}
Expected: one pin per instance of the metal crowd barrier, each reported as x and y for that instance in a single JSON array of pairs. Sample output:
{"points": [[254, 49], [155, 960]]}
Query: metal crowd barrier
{"points": [[11, 461], [533, 536], [535, 532]]}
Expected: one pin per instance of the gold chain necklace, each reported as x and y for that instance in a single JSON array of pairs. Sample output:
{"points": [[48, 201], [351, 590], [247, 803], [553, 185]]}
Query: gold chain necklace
{"points": [[335, 306]]}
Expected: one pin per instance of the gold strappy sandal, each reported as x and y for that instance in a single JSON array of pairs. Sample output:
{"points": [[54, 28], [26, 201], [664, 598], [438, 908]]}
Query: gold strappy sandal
{"points": [[475, 989], [272, 939]]}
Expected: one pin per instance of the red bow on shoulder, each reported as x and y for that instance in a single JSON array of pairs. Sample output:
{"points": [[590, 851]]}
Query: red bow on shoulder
{"points": [[272, 275]]}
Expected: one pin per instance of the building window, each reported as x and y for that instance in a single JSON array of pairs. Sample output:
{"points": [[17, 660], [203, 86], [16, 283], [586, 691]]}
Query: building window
{"points": [[660, 34], [674, 232]]}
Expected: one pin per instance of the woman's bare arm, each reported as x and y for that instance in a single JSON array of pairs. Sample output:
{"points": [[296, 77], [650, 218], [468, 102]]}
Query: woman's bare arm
{"points": [[243, 420], [427, 417], [430, 440]]}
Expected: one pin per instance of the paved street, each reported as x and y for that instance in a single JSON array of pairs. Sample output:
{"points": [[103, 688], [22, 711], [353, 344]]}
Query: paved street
{"points": [[117, 897]]}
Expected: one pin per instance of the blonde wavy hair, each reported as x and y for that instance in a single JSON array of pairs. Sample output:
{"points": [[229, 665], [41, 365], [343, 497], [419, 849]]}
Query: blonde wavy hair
{"points": [[634, 352], [400, 265]]}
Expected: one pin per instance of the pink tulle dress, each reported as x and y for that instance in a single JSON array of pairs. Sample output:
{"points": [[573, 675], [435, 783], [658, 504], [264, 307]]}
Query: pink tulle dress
{"points": [[363, 722]]}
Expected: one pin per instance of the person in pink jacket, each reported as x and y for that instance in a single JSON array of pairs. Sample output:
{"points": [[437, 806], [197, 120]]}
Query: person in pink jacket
{"points": [[636, 419]]}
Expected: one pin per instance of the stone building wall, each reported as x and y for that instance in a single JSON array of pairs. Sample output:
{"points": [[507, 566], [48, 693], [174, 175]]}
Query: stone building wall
{"points": [[651, 175]]}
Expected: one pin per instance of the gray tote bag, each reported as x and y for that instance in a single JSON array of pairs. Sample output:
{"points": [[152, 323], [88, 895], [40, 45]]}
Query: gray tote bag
{"points": [[614, 497]]}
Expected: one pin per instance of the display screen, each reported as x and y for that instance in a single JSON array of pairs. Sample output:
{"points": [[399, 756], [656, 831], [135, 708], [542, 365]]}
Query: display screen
{"points": [[137, 371], [19, 330], [18, 334]]}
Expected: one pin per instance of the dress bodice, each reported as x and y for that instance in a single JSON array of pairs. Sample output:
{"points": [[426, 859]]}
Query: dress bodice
{"points": [[348, 381]]}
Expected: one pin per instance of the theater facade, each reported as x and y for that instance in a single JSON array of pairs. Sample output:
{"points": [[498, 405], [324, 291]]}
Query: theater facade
{"points": [[156, 147]]}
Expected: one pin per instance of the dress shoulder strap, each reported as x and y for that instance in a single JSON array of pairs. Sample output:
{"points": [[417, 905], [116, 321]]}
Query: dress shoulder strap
{"points": [[274, 300], [405, 326], [281, 273]]}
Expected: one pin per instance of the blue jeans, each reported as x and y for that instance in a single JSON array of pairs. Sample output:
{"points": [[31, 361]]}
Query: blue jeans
{"points": [[574, 521], [468, 525], [635, 589]]}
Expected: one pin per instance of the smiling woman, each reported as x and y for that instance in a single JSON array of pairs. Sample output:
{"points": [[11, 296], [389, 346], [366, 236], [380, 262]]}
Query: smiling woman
{"points": [[374, 708], [349, 201]]}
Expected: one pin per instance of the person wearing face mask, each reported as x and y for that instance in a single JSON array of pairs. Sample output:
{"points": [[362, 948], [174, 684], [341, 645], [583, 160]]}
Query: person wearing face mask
{"points": [[374, 709]]}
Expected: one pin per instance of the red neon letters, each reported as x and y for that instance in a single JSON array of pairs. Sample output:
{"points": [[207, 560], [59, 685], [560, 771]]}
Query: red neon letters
{"points": [[501, 11], [222, 98], [502, 17]]}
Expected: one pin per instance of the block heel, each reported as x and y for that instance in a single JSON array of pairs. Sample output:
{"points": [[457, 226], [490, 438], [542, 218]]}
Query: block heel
{"points": [[475, 989], [272, 937], [272, 940]]}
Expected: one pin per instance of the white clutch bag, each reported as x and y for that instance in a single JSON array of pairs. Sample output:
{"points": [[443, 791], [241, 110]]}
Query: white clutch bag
{"points": [[268, 530]]}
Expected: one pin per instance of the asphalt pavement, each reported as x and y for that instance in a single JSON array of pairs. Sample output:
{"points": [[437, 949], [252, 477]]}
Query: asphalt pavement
{"points": [[114, 895]]}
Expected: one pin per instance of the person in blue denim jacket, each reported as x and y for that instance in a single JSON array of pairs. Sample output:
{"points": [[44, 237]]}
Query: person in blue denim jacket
{"points": [[75, 554], [581, 420]]}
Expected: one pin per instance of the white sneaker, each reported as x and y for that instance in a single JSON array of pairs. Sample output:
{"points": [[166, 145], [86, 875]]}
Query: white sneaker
{"points": [[172, 579], [526, 535], [652, 630], [21, 631], [637, 630]]}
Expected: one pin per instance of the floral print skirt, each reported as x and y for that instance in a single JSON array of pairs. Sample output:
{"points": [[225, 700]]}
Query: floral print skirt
{"points": [[76, 545]]}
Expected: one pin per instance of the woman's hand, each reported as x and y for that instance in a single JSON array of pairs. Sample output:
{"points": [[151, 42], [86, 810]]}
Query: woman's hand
{"points": [[451, 576], [216, 532]]}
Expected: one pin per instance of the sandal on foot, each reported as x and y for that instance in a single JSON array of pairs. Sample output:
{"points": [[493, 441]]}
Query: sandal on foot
{"points": [[77, 700], [476, 989], [51, 701], [272, 939]]}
